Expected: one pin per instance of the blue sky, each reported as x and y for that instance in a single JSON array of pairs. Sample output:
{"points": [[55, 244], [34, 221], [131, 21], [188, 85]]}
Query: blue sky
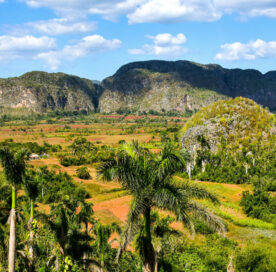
{"points": [[93, 38]]}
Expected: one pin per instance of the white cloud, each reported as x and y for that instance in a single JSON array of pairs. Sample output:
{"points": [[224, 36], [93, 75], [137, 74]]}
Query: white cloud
{"points": [[26, 46], [109, 9], [247, 51], [248, 8], [60, 26], [141, 11], [164, 44], [88, 46], [174, 11]]}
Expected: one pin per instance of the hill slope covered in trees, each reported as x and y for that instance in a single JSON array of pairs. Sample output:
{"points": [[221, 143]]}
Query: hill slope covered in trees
{"points": [[231, 141], [160, 86]]}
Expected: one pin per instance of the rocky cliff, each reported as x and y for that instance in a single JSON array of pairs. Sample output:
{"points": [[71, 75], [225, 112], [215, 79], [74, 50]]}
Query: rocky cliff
{"points": [[140, 86], [41, 92], [182, 86]]}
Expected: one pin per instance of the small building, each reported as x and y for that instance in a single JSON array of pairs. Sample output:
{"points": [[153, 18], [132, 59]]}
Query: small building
{"points": [[34, 156]]}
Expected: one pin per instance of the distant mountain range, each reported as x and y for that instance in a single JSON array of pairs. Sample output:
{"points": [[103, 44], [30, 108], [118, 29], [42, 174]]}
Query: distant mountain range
{"points": [[162, 86]]}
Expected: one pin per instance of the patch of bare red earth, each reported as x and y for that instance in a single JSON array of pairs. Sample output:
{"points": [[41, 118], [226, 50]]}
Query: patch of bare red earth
{"points": [[119, 206]]}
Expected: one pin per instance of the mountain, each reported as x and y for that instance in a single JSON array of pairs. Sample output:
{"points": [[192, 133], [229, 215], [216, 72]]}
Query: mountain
{"points": [[182, 86], [161, 86], [232, 141], [41, 92]]}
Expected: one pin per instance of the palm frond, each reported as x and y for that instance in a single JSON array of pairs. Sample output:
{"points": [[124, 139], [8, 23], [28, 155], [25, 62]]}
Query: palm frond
{"points": [[14, 164], [171, 161], [107, 170], [203, 214], [189, 190], [138, 206], [170, 200]]}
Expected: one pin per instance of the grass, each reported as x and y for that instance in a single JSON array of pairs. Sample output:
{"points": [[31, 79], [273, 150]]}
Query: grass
{"points": [[101, 193], [107, 217]]}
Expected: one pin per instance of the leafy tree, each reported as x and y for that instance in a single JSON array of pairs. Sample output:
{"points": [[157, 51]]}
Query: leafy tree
{"points": [[149, 178]]}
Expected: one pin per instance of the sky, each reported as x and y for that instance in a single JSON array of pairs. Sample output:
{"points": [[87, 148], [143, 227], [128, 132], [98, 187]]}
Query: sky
{"points": [[93, 38]]}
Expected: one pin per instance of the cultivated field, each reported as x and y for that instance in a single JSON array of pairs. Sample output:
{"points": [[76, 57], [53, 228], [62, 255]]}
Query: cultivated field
{"points": [[110, 201]]}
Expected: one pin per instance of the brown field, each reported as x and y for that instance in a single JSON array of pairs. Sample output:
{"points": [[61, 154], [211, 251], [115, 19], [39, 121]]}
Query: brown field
{"points": [[110, 201]]}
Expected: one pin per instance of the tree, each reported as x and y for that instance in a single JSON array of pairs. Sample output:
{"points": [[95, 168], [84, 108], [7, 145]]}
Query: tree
{"points": [[66, 225], [32, 191], [14, 165], [85, 217], [150, 179], [103, 233]]}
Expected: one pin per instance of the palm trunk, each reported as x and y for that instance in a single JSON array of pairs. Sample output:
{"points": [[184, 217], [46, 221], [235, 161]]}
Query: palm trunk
{"points": [[150, 262], [102, 262], [31, 249], [12, 242], [147, 224], [156, 262], [85, 257]]}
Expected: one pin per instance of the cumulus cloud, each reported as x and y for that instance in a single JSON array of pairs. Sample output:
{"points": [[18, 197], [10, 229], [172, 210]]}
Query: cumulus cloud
{"points": [[12, 47], [60, 26], [174, 11], [88, 46], [248, 8], [164, 44], [141, 11], [109, 9], [247, 51]]}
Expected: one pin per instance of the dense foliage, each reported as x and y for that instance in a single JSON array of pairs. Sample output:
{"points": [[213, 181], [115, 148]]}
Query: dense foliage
{"points": [[232, 141], [81, 151]]}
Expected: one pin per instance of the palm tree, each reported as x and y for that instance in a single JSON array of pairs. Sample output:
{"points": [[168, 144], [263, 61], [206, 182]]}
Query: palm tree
{"points": [[85, 216], [150, 179], [32, 191], [65, 224], [103, 233], [14, 164]]}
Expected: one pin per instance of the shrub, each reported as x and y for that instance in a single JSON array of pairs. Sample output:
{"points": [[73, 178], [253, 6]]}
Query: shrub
{"points": [[83, 173], [256, 258], [259, 204]]}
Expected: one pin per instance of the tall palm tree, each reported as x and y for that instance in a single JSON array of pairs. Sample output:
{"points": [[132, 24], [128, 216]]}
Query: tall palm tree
{"points": [[65, 224], [150, 179], [103, 233], [32, 191], [14, 164], [85, 217]]}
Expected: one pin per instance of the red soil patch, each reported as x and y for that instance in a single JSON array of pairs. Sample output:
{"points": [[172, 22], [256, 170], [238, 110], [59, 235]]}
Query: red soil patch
{"points": [[119, 207], [147, 140], [131, 117]]}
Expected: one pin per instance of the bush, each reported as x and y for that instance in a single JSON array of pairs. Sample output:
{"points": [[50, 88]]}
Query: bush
{"points": [[68, 161], [256, 258], [259, 204], [83, 173]]}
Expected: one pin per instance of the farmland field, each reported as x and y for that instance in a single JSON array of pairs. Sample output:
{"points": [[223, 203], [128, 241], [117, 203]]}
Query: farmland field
{"points": [[110, 201]]}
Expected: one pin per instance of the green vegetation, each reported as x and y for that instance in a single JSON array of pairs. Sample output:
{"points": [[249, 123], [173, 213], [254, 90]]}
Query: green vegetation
{"points": [[149, 178], [256, 257], [83, 173], [67, 223], [231, 141]]}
